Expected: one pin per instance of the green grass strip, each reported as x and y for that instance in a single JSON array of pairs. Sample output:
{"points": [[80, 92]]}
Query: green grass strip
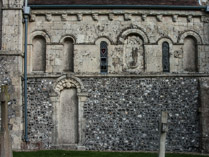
{"points": [[62, 153]]}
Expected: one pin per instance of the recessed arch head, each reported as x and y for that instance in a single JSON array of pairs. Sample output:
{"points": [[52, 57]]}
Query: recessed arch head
{"points": [[65, 82], [66, 37], [165, 39], [103, 38], [138, 32], [192, 34], [39, 33]]}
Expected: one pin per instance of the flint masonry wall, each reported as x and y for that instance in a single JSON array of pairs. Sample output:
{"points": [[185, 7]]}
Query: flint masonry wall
{"points": [[123, 113]]}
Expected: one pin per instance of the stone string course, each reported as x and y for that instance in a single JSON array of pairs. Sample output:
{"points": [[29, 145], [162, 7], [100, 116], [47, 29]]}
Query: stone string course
{"points": [[123, 113]]}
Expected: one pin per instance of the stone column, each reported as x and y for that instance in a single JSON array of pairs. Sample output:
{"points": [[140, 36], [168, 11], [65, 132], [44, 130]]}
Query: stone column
{"points": [[81, 122], [5, 142]]}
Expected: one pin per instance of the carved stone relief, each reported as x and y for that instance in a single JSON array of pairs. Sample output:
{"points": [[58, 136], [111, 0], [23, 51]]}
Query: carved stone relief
{"points": [[178, 54], [133, 54]]}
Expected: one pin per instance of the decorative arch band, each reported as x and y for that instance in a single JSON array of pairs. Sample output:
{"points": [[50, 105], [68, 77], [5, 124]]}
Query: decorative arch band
{"points": [[67, 83]]}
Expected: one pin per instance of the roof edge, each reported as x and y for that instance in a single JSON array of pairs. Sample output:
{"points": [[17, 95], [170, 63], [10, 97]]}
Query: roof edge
{"points": [[168, 7]]}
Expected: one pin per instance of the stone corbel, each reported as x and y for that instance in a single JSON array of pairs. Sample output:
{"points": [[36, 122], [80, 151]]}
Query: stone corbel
{"points": [[175, 18], [159, 18], [64, 17], [33, 18], [189, 18], [144, 16], [127, 17], [111, 16], [95, 17], [48, 17], [80, 17]]}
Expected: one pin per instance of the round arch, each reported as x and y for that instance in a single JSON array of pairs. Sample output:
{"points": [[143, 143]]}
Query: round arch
{"points": [[165, 39], [123, 35], [39, 33], [68, 82], [63, 38], [103, 38], [193, 34]]}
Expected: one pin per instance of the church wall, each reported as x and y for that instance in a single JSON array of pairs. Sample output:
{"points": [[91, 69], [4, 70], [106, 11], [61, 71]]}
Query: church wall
{"points": [[123, 106]]}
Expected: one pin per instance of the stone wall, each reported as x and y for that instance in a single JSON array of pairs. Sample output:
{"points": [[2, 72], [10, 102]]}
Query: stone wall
{"points": [[123, 113], [88, 28]]}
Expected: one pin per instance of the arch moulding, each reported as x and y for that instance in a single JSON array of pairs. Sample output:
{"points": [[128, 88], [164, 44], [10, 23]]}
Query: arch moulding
{"points": [[67, 36], [136, 31], [194, 34], [39, 33]]}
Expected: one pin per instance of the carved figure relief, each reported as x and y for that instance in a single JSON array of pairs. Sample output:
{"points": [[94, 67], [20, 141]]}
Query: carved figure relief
{"points": [[133, 54]]}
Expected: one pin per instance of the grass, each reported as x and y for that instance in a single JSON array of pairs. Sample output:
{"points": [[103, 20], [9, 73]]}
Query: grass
{"points": [[62, 153]]}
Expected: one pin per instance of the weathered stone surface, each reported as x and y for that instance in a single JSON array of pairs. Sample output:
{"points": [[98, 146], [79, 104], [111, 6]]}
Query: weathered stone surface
{"points": [[10, 70], [5, 140], [68, 117], [159, 26]]}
